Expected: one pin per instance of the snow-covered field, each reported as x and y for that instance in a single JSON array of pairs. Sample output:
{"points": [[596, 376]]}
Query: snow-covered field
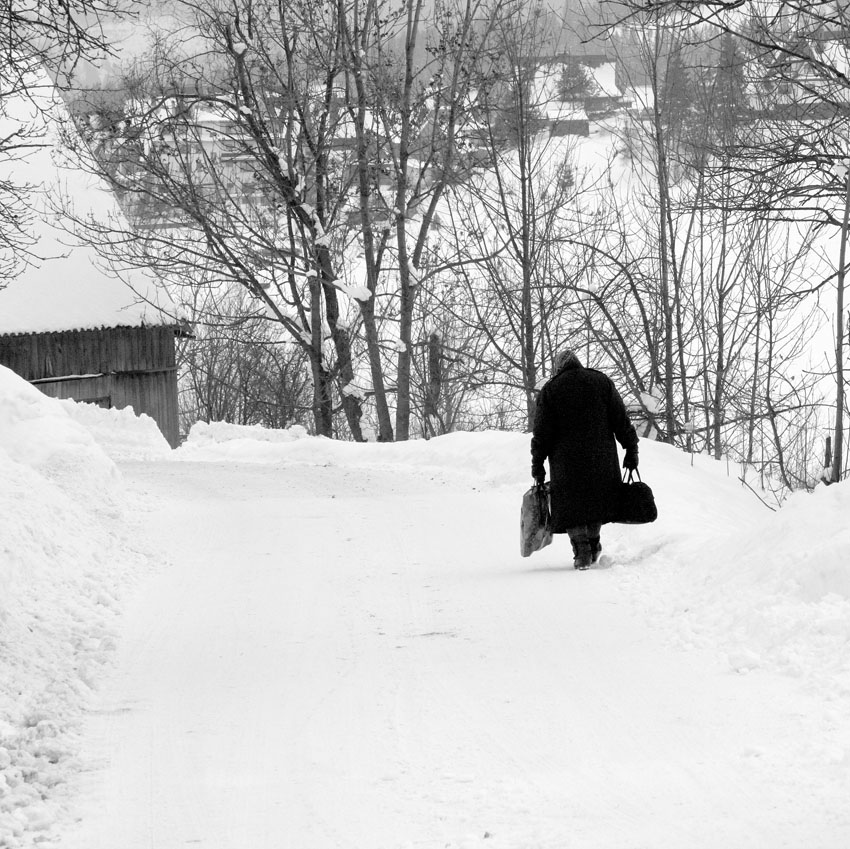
{"points": [[268, 640]]}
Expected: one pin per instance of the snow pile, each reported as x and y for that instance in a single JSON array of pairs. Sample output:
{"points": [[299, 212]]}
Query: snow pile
{"points": [[810, 541], [215, 441], [777, 591], [37, 432], [62, 565], [218, 433], [491, 457], [121, 434], [720, 570]]}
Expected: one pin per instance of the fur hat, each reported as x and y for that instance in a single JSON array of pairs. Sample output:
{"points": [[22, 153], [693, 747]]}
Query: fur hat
{"points": [[565, 358]]}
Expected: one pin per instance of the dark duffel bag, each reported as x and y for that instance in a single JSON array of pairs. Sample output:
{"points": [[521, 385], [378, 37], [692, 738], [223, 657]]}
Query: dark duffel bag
{"points": [[534, 532], [636, 503]]}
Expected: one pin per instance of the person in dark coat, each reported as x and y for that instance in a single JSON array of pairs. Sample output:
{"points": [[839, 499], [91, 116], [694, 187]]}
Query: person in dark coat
{"points": [[579, 414]]}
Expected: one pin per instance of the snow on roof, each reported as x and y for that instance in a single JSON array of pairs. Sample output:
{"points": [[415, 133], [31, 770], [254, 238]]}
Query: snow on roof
{"points": [[562, 111], [641, 96], [605, 77], [65, 285]]}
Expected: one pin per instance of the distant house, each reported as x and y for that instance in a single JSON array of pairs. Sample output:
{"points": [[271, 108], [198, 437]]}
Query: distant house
{"points": [[570, 127], [67, 325], [566, 119], [608, 97], [578, 53]]}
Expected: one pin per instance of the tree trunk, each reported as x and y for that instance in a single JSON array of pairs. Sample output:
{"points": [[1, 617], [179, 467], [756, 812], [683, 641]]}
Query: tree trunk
{"points": [[373, 349], [322, 399], [342, 345], [435, 384], [663, 251], [405, 334], [407, 287], [357, 44], [751, 425], [838, 448], [529, 367], [717, 394], [339, 334]]}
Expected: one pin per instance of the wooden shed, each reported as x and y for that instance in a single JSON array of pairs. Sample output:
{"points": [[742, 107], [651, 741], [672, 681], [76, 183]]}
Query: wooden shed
{"points": [[71, 325], [110, 366]]}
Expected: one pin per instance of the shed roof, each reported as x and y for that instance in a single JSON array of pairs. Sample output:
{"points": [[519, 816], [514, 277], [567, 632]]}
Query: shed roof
{"points": [[65, 285]]}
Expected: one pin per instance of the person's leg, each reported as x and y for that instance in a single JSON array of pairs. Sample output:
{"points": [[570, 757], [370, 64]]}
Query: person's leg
{"points": [[582, 554], [593, 532]]}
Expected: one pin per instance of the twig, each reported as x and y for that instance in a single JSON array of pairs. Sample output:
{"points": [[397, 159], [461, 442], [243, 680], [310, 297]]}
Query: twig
{"points": [[756, 494]]}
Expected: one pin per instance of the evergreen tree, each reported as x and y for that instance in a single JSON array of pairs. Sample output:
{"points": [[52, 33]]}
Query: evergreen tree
{"points": [[575, 82], [677, 100], [729, 94]]}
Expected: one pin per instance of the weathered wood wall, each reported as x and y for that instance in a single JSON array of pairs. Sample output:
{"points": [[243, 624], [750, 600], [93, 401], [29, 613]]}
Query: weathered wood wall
{"points": [[570, 127], [114, 367], [35, 356]]}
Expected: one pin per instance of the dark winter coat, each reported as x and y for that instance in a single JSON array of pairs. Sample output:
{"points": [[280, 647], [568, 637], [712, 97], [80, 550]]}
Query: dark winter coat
{"points": [[579, 414]]}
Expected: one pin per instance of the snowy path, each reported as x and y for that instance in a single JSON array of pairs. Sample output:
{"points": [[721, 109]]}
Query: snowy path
{"points": [[360, 659]]}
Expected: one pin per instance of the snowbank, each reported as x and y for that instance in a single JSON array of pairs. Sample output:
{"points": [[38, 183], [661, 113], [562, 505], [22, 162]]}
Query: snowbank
{"points": [[489, 457], [768, 590], [36, 432], [121, 434], [63, 564], [246, 437]]}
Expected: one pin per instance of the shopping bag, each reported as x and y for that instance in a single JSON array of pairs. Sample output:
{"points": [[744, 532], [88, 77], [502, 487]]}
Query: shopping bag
{"points": [[635, 503], [534, 520]]}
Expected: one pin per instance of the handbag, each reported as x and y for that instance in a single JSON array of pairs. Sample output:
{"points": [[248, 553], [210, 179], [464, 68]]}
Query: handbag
{"points": [[635, 502], [534, 520]]}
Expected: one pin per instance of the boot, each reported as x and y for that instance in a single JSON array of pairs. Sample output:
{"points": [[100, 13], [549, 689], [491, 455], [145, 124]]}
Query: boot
{"points": [[595, 549], [583, 555]]}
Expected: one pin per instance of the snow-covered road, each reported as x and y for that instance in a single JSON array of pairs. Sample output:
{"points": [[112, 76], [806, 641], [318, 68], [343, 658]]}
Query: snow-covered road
{"points": [[358, 657]]}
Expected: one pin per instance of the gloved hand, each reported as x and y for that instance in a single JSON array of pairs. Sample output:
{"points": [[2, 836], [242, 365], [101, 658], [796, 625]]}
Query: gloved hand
{"points": [[539, 475], [630, 461]]}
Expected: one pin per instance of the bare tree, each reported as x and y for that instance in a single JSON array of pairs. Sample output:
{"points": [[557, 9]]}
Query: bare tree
{"points": [[301, 151], [222, 159], [410, 74], [788, 166], [238, 368], [511, 221]]}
